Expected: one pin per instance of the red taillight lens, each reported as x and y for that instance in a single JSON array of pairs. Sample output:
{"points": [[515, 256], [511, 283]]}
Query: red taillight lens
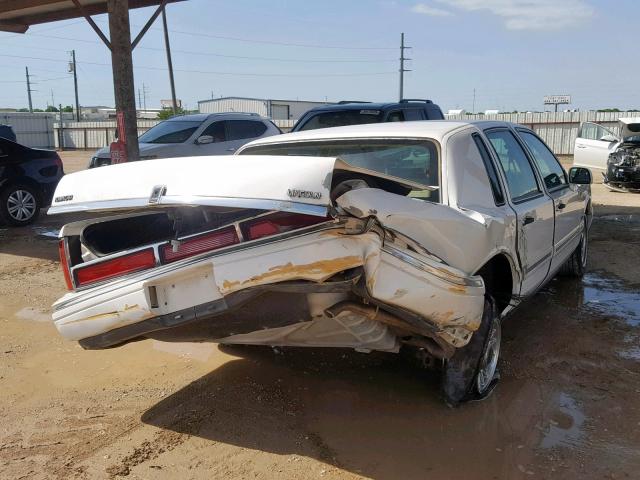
{"points": [[64, 264], [277, 223], [118, 266], [199, 244]]}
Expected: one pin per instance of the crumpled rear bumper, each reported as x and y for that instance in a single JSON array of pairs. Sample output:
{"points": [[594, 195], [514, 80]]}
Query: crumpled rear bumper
{"points": [[449, 302]]}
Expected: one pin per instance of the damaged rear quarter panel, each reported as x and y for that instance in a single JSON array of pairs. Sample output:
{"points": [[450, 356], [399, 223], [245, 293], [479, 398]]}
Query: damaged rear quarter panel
{"points": [[462, 239]]}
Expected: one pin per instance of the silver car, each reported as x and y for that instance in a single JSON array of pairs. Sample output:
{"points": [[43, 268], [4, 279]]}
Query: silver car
{"points": [[420, 235], [197, 135]]}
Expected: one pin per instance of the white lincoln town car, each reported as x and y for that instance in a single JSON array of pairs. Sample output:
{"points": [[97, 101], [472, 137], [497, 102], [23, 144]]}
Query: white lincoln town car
{"points": [[416, 235]]}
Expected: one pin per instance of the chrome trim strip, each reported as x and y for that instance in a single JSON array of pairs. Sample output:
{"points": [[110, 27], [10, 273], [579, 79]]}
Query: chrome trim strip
{"points": [[570, 237], [90, 292], [168, 201], [537, 264], [438, 270]]}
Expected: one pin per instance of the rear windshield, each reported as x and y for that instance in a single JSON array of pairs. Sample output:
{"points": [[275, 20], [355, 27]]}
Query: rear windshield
{"points": [[174, 131], [341, 118], [415, 160]]}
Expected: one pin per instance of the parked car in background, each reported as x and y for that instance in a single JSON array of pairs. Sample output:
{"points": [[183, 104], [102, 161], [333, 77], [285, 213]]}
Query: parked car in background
{"points": [[616, 155], [356, 113], [418, 234], [7, 132], [197, 135], [28, 178]]}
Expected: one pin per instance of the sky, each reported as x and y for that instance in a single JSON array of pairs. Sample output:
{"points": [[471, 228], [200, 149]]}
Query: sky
{"points": [[511, 52]]}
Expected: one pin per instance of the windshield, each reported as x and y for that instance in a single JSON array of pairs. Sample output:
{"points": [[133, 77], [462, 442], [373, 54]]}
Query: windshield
{"points": [[634, 128], [341, 118], [415, 160], [174, 131]]}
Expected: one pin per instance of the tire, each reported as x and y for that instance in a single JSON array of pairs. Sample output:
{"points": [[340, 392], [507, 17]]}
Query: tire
{"points": [[19, 205], [576, 264], [472, 372]]}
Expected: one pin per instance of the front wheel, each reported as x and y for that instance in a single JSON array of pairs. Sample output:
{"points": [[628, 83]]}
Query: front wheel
{"points": [[19, 205], [472, 372]]}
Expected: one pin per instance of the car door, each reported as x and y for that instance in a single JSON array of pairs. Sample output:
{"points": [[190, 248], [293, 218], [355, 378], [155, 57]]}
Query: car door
{"points": [[590, 150], [568, 200], [533, 208]]}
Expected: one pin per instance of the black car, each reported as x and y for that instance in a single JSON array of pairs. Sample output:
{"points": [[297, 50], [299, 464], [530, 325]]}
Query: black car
{"points": [[7, 132], [356, 113], [28, 178]]}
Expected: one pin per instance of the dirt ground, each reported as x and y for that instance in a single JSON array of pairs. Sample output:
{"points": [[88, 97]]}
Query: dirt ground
{"points": [[566, 406]]}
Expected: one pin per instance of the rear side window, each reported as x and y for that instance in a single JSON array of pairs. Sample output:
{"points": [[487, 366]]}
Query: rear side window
{"points": [[241, 129], [548, 166], [496, 188], [515, 165], [414, 114]]}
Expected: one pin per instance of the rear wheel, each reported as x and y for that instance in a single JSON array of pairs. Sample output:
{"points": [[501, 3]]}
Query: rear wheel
{"points": [[576, 264], [472, 372], [19, 205]]}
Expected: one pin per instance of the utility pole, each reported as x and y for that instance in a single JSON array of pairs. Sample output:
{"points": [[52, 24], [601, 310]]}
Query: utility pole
{"points": [[75, 83], [473, 110], [144, 95], [26, 69], [169, 63], [122, 66], [139, 100], [402, 69]]}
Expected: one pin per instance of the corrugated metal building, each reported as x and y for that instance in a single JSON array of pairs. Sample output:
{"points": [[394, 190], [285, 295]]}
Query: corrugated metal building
{"points": [[274, 109], [31, 129]]}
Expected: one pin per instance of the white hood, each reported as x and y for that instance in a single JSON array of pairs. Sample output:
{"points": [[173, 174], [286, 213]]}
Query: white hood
{"points": [[630, 127], [287, 183]]}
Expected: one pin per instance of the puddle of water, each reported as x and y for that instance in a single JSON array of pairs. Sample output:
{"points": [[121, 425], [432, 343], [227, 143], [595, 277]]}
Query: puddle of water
{"points": [[612, 297], [565, 424], [34, 314], [47, 232], [630, 218], [196, 351]]}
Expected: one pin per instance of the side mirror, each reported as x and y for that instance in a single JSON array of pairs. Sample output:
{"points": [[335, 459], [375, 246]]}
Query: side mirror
{"points": [[608, 138], [580, 176], [204, 139]]}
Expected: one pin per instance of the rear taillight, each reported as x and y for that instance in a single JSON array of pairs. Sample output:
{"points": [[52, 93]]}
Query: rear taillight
{"points": [[277, 223], [115, 267], [200, 244], [64, 262]]}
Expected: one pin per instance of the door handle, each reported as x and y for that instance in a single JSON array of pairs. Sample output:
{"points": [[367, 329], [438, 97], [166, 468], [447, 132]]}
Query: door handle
{"points": [[528, 219], [581, 146], [561, 206], [231, 149]]}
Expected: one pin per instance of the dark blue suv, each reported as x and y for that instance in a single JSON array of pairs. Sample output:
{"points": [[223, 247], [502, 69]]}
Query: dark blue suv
{"points": [[356, 113]]}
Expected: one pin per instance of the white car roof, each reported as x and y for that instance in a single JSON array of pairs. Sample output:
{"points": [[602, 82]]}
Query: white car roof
{"points": [[435, 129]]}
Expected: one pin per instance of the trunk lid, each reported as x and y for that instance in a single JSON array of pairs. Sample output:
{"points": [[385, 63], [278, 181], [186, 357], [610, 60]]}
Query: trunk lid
{"points": [[283, 183]]}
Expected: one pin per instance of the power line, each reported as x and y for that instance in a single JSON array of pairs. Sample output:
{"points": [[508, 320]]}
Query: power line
{"points": [[210, 72], [222, 55]]}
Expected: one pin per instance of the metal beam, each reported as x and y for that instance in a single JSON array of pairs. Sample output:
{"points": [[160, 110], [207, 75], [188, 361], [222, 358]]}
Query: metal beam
{"points": [[90, 21], [148, 24], [18, 18]]}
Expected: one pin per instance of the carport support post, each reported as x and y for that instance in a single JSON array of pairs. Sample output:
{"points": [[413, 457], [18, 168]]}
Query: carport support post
{"points": [[122, 63]]}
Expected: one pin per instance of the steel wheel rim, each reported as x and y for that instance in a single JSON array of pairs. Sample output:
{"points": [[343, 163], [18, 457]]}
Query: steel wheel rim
{"points": [[21, 205], [489, 360]]}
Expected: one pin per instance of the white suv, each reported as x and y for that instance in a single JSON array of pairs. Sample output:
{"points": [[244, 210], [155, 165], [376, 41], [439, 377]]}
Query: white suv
{"points": [[197, 135]]}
